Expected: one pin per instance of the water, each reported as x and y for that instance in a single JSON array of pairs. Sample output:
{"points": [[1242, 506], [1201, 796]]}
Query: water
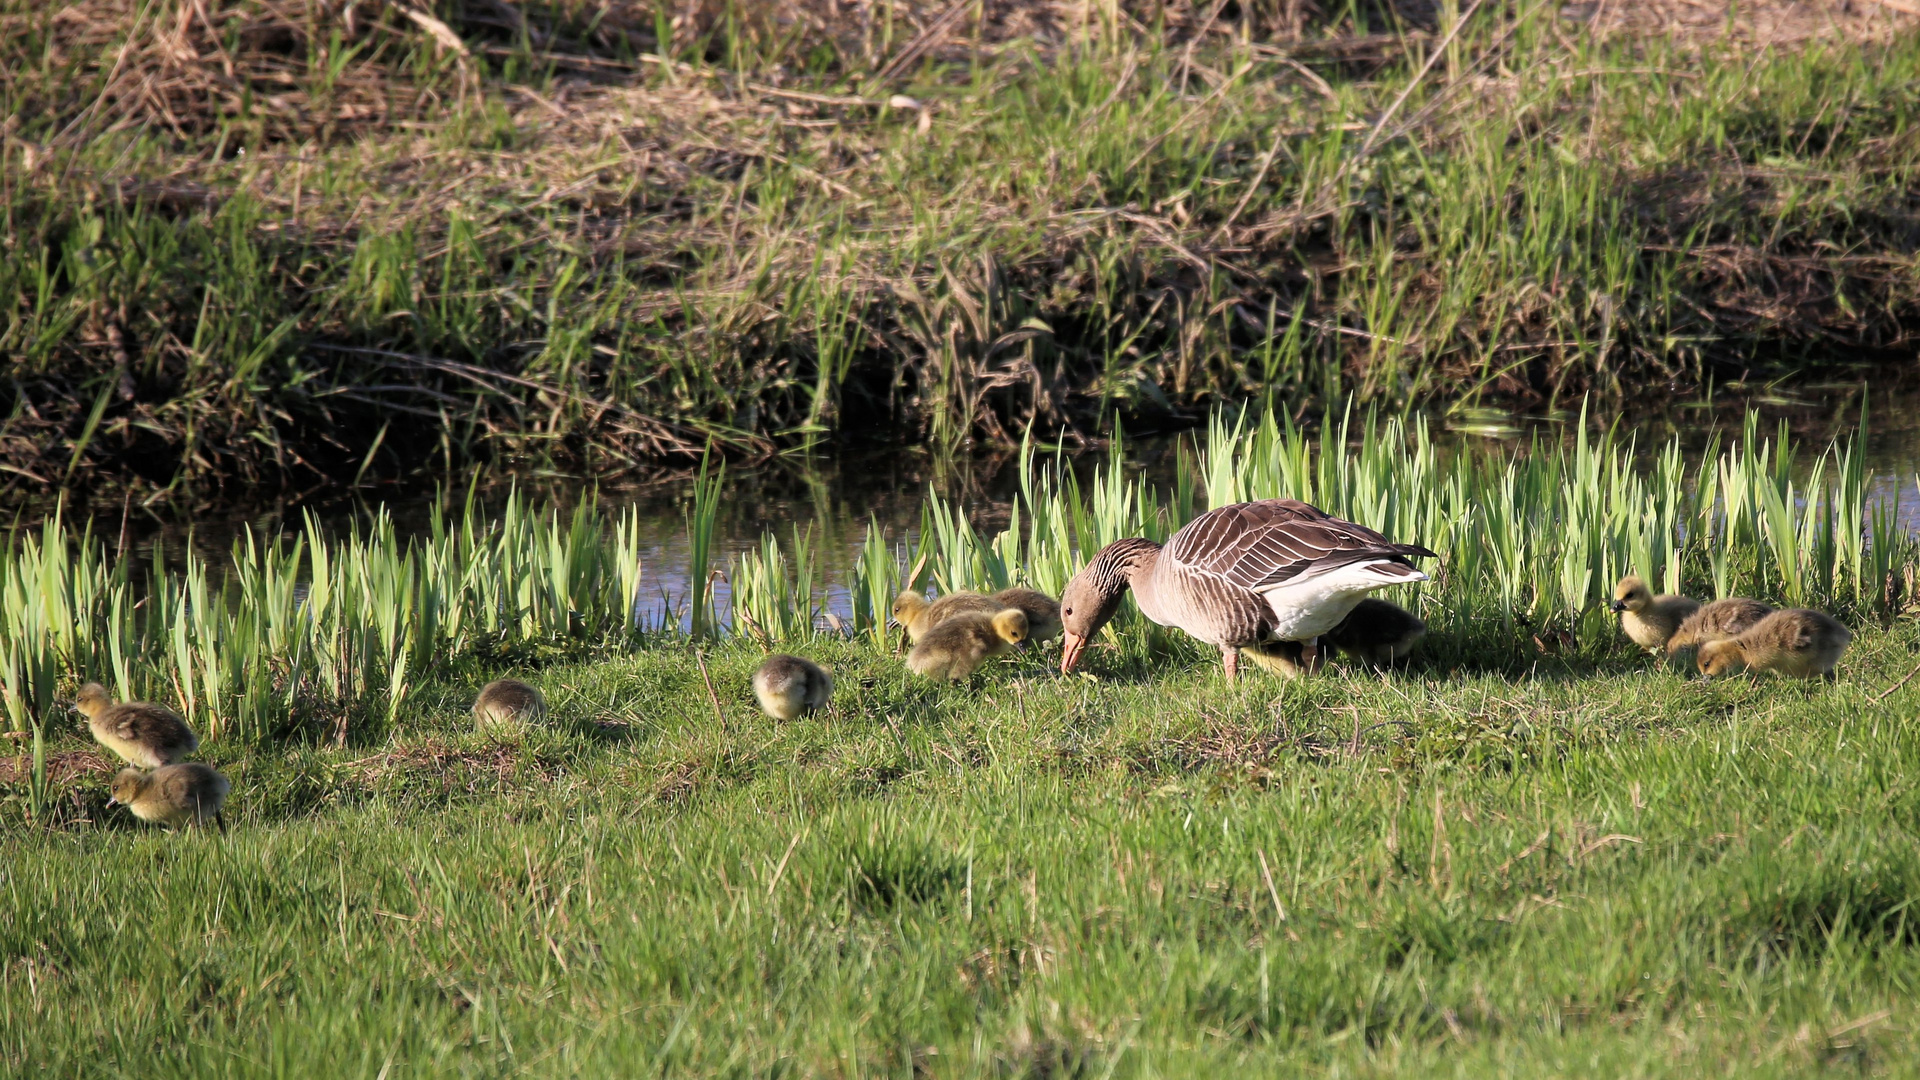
{"points": [[836, 496]]}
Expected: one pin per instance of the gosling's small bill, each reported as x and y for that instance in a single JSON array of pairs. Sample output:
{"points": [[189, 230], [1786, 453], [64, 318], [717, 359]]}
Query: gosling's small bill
{"points": [[1377, 632], [140, 732], [956, 647], [1717, 619], [176, 796], [1649, 620], [791, 686], [509, 703], [1798, 642]]}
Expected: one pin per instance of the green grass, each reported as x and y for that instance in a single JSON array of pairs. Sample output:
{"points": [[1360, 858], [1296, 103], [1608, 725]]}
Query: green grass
{"points": [[1580, 866], [328, 247], [1504, 857]]}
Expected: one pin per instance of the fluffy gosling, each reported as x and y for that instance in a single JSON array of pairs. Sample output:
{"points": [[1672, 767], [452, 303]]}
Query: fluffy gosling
{"points": [[1716, 620], [173, 795], [1288, 659], [1042, 611], [790, 686], [912, 610], [509, 703], [1795, 642], [956, 647], [141, 732], [1648, 619], [1378, 632]]}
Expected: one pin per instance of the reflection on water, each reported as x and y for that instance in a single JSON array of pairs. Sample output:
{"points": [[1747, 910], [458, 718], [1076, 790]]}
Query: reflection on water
{"points": [[836, 497]]}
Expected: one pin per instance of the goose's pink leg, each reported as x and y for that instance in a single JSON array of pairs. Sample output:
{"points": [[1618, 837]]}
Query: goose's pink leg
{"points": [[1230, 659], [1310, 655]]}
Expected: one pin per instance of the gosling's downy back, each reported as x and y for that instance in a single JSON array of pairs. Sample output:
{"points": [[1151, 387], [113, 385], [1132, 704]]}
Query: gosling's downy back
{"points": [[1042, 611], [789, 686], [176, 796], [1797, 642], [955, 647], [1378, 632], [1717, 619], [509, 703], [140, 732]]}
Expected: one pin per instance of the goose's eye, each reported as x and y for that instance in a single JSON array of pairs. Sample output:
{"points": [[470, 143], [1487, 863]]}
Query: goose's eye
{"points": [[1066, 611]]}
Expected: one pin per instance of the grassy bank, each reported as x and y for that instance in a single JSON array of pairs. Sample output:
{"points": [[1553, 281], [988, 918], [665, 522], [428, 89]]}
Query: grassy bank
{"points": [[1525, 852], [280, 242], [1585, 867]]}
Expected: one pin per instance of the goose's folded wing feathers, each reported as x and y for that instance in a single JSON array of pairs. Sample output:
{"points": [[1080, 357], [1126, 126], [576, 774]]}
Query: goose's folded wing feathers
{"points": [[1259, 545]]}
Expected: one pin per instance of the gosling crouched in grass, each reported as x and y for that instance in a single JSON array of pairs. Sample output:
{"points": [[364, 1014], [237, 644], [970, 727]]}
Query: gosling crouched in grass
{"points": [[956, 647], [1042, 611], [1378, 632], [141, 732], [1797, 642], [1716, 621], [176, 796], [509, 703], [1648, 619], [791, 686]]}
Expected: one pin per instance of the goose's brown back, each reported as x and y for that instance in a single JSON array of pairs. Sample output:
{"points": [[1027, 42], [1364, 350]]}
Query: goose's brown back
{"points": [[140, 732], [1210, 578]]}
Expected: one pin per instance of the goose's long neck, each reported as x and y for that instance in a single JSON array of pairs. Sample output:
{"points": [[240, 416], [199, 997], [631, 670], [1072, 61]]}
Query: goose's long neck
{"points": [[1127, 564]]}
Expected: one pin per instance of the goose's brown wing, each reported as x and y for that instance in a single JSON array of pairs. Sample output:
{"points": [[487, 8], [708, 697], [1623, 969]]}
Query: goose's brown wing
{"points": [[1259, 545]]}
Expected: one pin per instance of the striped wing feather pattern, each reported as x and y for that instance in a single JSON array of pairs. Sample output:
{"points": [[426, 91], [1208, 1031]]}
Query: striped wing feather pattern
{"points": [[1259, 545]]}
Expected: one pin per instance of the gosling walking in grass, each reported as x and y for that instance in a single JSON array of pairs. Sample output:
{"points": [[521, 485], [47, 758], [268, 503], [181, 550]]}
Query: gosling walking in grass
{"points": [[1648, 619], [176, 796], [917, 615], [791, 686], [142, 733], [956, 648], [1716, 621], [509, 703], [1378, 632], [1797, 642]]}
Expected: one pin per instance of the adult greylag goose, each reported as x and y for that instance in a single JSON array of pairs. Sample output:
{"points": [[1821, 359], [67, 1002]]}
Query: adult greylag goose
{"points": [[1240, 576]]}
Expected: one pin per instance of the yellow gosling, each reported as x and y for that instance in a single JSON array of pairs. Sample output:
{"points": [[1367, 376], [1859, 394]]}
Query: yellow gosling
{"points": [[1288, 659], [1648, 619], [956, 647], [141, 732], [509, 703], [913, 611], [1042, 611], [173, 795], [1717, 620], [1377, 633], [791, 686], [1798, 643]]}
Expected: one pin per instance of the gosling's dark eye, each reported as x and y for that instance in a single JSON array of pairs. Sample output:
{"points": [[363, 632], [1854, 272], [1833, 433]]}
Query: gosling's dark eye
{"points": [[1068, 611]]}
